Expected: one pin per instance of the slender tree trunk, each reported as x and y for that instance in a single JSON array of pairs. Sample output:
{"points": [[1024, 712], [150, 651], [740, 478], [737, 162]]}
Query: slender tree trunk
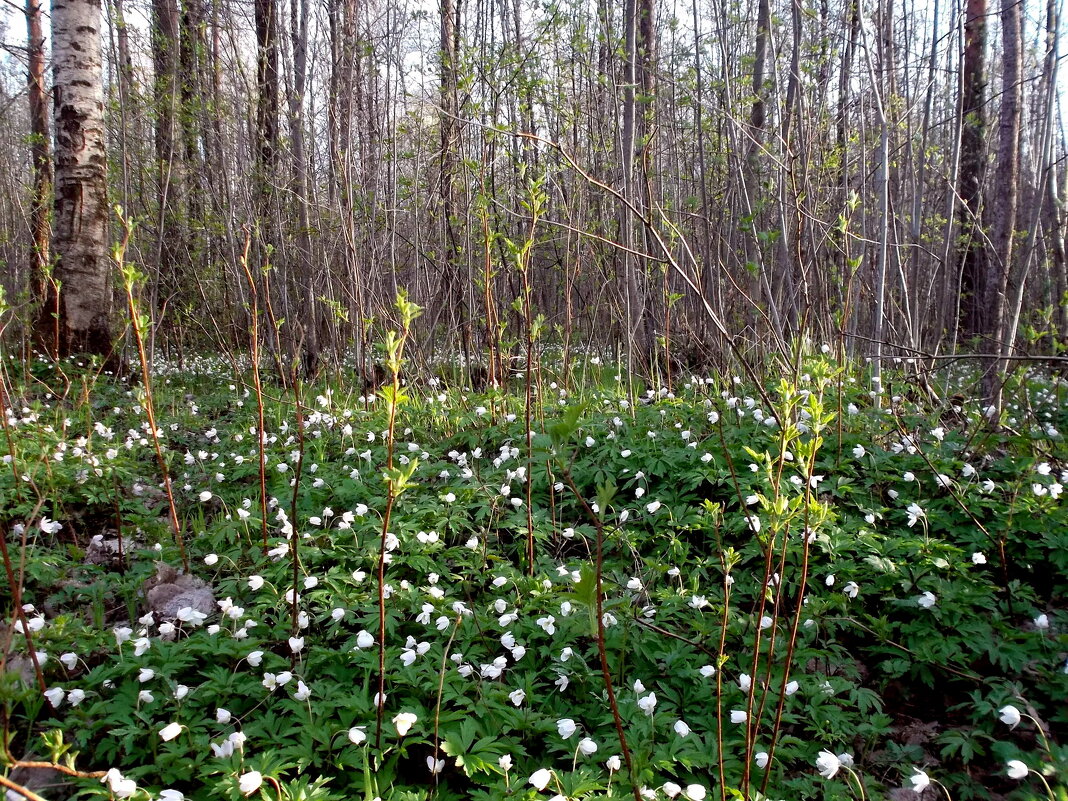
{"points": [[194, 122], [127, 128], [448, 98], [264, 185], [921, 300], [526, 100], [266, 146], [760, 56], [791, 275], [349, 79], [647, 170], [999, 268], [122, 42], [333, 100], [844, 77], [882, 236], [758, 285], [169, 163], [1056, 229], [305, 272], [635, 307], [972, 157], [1046, 187], [709, 281], [40, 158], [846, 269], [83, 303]]}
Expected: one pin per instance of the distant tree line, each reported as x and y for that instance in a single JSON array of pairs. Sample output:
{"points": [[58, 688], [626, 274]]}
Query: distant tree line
{"points": [[672, 181]]}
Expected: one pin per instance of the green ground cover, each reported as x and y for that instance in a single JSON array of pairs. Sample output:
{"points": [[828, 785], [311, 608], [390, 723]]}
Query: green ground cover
{"points": [[787, 591]]}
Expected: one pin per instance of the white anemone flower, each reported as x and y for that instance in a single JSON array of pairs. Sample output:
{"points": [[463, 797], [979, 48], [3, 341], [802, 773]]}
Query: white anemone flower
{"points": [[1017, 769], [919, 780], [1010, 716], [540, 778], [404, 722], [250, 782], [828, 764], [647, 703], [120, 786], [170, 731]]}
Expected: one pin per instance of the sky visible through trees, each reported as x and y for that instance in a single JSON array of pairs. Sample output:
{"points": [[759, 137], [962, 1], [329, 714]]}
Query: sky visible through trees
{"points": [[703, 169]]}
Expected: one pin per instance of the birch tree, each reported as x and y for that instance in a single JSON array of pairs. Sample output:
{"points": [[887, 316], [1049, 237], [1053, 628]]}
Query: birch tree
{"points": [[79, 306]]}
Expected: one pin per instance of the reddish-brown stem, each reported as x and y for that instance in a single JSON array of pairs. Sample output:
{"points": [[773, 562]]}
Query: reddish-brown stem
{"points": [[756, 644], [792, 642], [25, 792], [602, 653], [146, 382], [802, 585], [720, 759], [5, 396], [257, 383], [16, 597], [59, 768], [772, 638], [380, 704], [391, 498], [294, 536]]}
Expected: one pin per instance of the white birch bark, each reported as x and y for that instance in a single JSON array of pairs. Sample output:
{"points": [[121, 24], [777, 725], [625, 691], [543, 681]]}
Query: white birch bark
{"points": [[81, 208]]}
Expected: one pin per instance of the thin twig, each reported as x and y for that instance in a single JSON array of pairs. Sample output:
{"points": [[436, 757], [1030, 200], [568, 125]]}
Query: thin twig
{"points": [[601, 652], [59, 768], [25, 792]]}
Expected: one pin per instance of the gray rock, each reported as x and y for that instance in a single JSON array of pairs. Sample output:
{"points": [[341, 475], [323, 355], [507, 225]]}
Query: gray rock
{"points": [[170, 591]]}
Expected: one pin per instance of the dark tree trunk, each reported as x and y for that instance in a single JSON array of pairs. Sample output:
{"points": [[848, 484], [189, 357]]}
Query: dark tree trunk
{"points": [[169, 163], [448, 91], [266, 146], [40, 158], [999, 278], [970, 181], [122, 43], [305, 273], [758, 113], [193, 64]]}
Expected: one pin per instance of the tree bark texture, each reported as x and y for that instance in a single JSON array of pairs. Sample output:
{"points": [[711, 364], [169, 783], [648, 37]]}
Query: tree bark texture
{"points": [[83, 304], [266, 14], [1006, 197], [40, 153], [169, 162], [972, 156], [448, 97]]}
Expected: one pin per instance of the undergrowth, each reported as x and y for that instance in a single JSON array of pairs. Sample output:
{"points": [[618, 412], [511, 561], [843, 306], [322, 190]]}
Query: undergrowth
{"points": [[795, 591]]}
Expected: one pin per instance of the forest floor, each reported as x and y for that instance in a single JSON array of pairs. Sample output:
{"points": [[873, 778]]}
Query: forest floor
{"points": [[723, 591]]}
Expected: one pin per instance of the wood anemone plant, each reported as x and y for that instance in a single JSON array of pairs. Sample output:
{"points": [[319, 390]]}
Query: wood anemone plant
{"points": [[396, 479]]}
